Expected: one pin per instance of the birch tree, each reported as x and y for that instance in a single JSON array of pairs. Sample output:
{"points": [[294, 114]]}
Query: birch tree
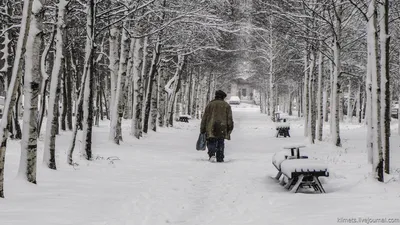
{"points": [[321, 98], [337, 70], [172, 88], [374, 129], [118, 104], [34, 43], [385, 80], [14, 81], [52, 118], [136, 126], [151, 85], [114, 43], [88, 88]]}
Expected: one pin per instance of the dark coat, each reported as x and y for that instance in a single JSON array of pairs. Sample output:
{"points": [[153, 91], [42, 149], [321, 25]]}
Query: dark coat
{"points": [[217, 120]]}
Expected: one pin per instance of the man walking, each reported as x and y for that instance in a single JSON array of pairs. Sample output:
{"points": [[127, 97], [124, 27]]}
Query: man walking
{"points": [[217, 123]]}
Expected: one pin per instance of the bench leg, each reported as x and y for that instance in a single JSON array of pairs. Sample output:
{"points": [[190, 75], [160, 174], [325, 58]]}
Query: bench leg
{"points": [[282, 181], [289, 183], [278, 175], [315, 186], [319, 185], [297, 185]]}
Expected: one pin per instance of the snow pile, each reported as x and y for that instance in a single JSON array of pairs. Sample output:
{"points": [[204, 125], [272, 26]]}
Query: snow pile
{"points": [[293, 145], [282, 125], [279, 157], [301, 165]]}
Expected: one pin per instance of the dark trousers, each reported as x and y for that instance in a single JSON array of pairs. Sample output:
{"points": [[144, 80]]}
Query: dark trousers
{"points": [[216, 147]]}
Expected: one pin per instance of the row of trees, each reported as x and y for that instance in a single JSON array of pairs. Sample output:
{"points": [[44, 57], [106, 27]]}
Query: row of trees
{"points": [[348, 51], [78, 62]]}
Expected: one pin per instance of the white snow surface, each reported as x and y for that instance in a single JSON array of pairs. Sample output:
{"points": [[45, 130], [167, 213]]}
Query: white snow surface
{"points": [[279, 157], [282, 125], [36, 6], [162, 179]]}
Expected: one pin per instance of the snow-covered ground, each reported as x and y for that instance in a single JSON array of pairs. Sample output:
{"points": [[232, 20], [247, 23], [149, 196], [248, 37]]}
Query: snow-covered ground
{"points": [[162, 179]]}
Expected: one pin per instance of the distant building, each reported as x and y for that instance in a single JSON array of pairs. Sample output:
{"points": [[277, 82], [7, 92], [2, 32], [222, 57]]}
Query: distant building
{"points": [[245, 89]]}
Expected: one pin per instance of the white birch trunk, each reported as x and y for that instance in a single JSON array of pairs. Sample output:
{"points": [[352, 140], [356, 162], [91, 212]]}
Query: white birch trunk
{"points": [[341, 104], [86, 105], [186, 97], [358, 103], [79, 101], [192, 112], [377, 154], [332, 71], [263, 101], [349, 106], [305, 95], [271, 92], [114, 63], [311, 101], [338, 68], [363, 105], [325, 104], [151, 101], [299, 101], [13, 87], [50, 138], [335, 106], [129, 78], [172, 88], [368, 88], [385, 86], [198, 94], [144, 83], [155, 104], [117, 106], [136, 126], [88, 90], [272, 102], [320, 105], [28, 159], [162, 97]]}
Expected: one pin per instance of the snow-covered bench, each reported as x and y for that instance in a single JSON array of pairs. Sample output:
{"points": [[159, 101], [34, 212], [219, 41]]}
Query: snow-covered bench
{"points": [[184, 118], [298, 170], [282, 129], [304, 172]]}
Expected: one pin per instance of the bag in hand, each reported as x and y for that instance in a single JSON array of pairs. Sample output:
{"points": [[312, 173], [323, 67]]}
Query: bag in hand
{"points": [[201, 142]]}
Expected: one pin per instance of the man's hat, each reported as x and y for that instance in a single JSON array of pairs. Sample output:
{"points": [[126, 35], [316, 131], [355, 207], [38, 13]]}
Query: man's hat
{"points": [[220, 94]]}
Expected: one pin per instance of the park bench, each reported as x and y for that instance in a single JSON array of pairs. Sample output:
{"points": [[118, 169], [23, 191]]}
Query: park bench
{"points": [[282, 129], [298, 171], [184, 118]]}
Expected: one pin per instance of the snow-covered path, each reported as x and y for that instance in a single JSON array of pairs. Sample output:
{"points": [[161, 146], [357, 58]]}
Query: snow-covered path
{"points": [[161, 179], [187, 189]]}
